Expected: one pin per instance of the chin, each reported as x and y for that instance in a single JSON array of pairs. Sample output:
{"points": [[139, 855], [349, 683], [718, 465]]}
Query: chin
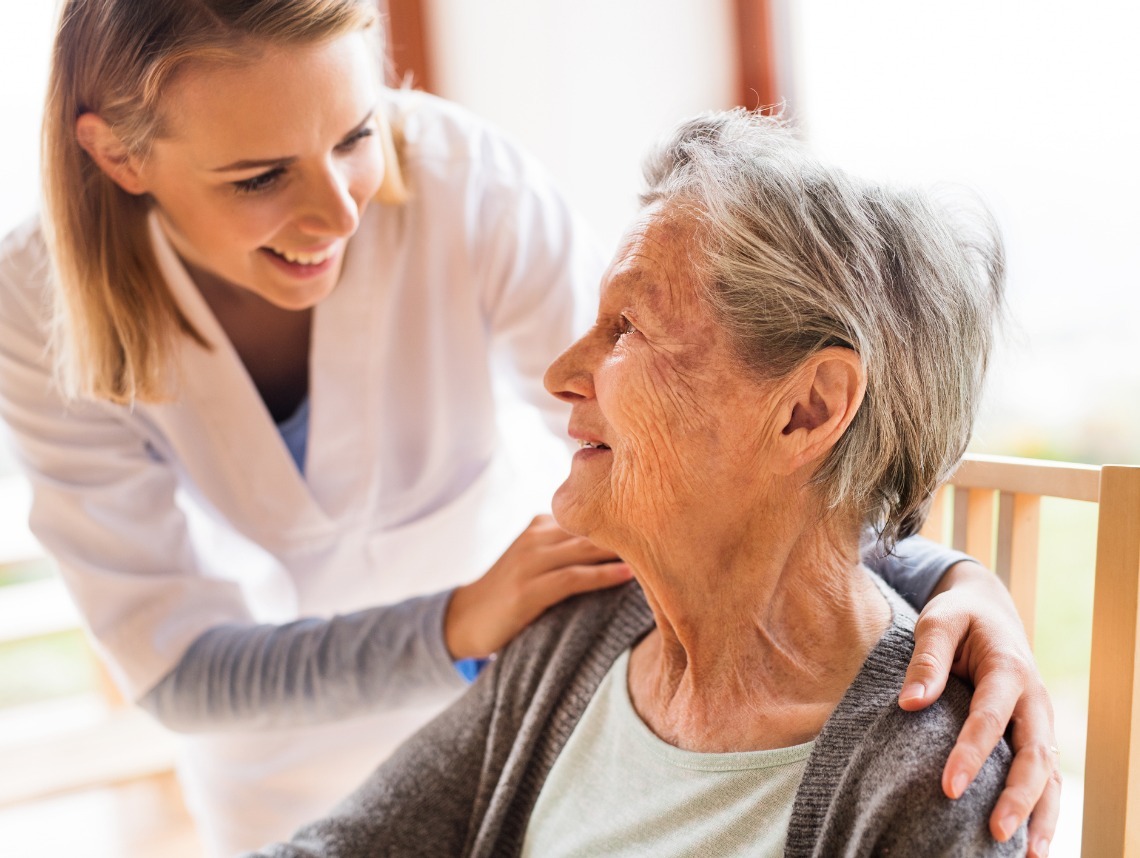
{"points": [[297, 298], [577, 515], [298, 303], [564, 509]]}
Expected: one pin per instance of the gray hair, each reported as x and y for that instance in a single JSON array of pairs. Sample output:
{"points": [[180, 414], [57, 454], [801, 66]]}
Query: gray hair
{"points": [[799, 256]]}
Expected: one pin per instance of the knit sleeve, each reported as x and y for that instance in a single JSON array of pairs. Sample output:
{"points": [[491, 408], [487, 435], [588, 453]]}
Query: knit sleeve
{"points": [[311, 671], [419, 802], [900, 804], [873, 783]]}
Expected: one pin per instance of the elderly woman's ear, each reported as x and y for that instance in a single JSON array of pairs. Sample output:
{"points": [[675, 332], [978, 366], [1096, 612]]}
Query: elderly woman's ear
{"points": [[820, 400]]}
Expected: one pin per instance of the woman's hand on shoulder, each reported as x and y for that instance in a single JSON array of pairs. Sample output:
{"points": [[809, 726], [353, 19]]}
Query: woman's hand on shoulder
{"points": [[970, 626], [543, 566]]}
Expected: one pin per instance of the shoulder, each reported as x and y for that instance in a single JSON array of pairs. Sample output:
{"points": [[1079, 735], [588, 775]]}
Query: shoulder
{"points": [[446, 148], [24, 247], [591, 629], [892, 785], [473, 189], [875, 773], [25, 271], [620, 612]]}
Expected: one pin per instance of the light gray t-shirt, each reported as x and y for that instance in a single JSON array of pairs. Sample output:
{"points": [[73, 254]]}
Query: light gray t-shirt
{"points": [[618, 790]]}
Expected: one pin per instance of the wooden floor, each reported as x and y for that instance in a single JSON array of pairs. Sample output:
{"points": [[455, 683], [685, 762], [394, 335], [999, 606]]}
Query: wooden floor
{"points": [[144, 818]]}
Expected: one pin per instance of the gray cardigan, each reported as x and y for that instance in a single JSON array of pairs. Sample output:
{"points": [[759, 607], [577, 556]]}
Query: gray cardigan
{"points": [[465, 784]]}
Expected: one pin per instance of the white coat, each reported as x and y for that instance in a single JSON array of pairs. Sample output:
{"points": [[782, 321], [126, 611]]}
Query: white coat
{"points": [[168, 519]]}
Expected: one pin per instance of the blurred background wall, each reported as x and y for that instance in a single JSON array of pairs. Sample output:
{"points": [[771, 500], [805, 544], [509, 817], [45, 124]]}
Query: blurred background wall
{"points": [[1029, 103]]}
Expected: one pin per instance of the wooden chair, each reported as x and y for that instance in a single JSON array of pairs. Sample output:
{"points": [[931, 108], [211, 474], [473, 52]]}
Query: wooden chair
{"points": [[994, 509]]}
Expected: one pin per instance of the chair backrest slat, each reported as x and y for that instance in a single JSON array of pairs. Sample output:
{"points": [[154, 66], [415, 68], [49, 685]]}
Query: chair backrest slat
{"points": [[1029, 476], [1007, 538], [980, 525], [1112, 757], [1003, 559], [1025, 537], [932, 527], [960, 520]]}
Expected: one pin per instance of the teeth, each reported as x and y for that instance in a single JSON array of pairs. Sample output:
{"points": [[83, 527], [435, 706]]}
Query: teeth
{"points": [[304, 258], [592, 445]]}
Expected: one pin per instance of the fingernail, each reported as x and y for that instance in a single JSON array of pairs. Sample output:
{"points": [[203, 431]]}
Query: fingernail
{"points": [[1042, 848], [912, 691], [1007, 826], [959, 784]]}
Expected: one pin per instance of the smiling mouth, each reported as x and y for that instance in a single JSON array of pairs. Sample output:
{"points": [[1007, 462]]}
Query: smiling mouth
{"points": [[303, 258], [592, 445]]}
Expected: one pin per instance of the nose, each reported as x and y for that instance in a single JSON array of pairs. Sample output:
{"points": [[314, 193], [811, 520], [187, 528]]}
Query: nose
{"points": [[571, 376], [329, 207]]}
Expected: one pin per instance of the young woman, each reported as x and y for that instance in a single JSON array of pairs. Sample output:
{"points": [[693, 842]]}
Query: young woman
{"points": [[248, 357]]}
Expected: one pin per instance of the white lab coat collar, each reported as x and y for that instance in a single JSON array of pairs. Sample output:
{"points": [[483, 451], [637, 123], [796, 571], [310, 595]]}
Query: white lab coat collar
{"points": [[215, 391]]}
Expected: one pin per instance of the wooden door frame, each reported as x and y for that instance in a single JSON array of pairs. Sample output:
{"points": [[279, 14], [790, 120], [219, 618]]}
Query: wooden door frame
{"points": [[408, 43], [758, 84]]}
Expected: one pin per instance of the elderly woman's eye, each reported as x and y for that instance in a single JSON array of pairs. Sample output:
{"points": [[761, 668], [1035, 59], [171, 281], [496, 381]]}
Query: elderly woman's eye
{"points": [[625, 326]]}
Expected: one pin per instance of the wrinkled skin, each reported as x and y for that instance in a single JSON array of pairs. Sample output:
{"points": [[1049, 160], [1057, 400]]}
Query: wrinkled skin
{"points": [[653, 357]]}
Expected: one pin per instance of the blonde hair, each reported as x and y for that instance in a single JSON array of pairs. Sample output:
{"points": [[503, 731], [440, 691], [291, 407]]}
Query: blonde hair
{"points": [[116, 322]]}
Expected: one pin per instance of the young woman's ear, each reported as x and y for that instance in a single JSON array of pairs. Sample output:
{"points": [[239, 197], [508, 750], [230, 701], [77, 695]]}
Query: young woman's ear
{"points": [[824, 396], [108, 152]]}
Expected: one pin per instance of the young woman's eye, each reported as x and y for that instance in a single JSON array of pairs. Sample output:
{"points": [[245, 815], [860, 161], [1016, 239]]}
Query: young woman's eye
{"points": [[260, 182], [351, 141]]}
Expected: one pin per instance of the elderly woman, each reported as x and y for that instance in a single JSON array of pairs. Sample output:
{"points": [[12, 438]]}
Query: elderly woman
{"points": [[783, 357]]}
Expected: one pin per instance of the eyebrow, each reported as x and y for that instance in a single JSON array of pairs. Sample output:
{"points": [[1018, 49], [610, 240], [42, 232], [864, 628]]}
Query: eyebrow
{"points": [[260, 163]]}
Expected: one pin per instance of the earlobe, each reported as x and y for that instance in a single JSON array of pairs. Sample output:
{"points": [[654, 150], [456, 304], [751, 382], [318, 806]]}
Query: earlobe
{"points": [[108, 152]]}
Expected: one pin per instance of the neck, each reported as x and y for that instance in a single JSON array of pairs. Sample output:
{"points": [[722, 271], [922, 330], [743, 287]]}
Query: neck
{"points": [[757, 641], [272, 343]]}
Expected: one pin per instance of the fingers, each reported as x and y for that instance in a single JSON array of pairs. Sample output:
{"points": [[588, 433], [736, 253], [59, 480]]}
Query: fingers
{"points": [[547, 590], [1033, 785], [990, 711], [545, 533], [574, 551], [542, 530], [935, 643], [1028, 776], [572, 580], [1034, 782], [543, 566], [544, 546], [1043, 822]]}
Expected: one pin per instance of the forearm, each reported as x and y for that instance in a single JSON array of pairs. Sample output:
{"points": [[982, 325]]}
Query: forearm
{"points": [[968, 571], [309, 671], [917, 569]]}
